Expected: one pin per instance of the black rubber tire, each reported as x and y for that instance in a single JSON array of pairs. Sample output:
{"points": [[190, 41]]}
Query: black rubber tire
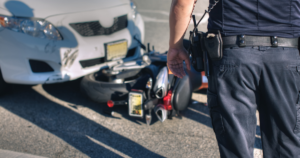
{"points": [[101, 91], [3, 85]]}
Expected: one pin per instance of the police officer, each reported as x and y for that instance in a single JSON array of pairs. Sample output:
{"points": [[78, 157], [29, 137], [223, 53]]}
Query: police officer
{"points": [[260, 69]]}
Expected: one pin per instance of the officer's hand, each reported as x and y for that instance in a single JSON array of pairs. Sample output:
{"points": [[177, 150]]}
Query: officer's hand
{"points": [[175, 59]]}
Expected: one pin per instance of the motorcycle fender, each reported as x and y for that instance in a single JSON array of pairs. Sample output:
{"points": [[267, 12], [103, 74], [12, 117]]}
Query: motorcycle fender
{"points": [[182, 94]]}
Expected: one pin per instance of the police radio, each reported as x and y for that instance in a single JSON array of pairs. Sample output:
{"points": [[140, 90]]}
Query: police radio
{"points": [[205, 46], [197, 48]]}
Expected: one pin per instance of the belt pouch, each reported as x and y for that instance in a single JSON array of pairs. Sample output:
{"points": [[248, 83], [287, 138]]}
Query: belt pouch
{"points": [[213, 44]]}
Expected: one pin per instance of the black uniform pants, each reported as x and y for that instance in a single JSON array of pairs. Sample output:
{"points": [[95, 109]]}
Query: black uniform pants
{"points": [[251, 78]]}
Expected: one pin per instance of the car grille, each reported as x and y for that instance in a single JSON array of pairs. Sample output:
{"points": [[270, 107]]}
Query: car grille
{"points": [[94, 28], [91, 62], [96, 61]]}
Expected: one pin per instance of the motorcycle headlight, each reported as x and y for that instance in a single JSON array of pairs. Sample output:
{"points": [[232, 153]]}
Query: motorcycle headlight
{"points": [[35, 28], [133, 9]]}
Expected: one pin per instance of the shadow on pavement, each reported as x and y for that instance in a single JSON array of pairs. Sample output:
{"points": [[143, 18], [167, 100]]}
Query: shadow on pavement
{"points": [[78, 131], [70, 92]]}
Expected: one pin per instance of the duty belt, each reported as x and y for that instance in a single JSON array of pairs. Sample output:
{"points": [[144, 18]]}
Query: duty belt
{"points": [[271, 41]]}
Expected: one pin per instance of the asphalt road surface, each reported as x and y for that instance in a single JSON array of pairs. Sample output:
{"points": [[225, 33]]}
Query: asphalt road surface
{"points": [[58, 121]]}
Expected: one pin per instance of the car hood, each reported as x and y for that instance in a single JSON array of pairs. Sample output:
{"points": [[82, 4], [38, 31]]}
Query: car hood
{"points": [[44, 9]]}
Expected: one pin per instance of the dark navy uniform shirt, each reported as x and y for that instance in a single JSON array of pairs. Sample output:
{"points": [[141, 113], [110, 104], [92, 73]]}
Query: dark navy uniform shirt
{"points": [[256, 17]]}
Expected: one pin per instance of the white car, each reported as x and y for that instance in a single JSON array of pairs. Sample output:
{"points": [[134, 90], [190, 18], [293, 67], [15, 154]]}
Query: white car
{"points": [[60, 40]]}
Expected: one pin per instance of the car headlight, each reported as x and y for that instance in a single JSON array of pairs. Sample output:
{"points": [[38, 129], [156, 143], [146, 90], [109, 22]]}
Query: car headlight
{"points": [[35, 28], [133, 9]]}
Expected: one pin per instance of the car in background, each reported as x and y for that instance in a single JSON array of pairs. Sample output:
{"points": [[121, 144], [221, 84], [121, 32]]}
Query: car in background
{"points": [[61, 40]]}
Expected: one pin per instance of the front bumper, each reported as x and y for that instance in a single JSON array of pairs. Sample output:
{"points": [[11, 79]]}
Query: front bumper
{"points": [[69, 59]]}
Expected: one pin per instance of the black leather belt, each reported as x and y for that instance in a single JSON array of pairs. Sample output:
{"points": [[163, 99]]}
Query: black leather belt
{"points": [[271, 41]]}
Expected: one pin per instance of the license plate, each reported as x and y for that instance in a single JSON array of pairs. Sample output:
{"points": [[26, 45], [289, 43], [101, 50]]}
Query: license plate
{"points": [[116, 50], [136, 104]]}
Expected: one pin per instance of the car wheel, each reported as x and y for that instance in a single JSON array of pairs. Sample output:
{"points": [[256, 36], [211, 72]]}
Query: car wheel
{"points": [[3, 85], [97, 88]]}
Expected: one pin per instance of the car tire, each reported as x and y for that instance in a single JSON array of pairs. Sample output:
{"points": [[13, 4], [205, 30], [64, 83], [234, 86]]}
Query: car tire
{"points": [[103, 91], [3, 85]]}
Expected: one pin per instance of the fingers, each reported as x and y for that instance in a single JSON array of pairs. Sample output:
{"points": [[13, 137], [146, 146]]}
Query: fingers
{"points": [[186, 58], [187, 63], [182, 72], [175, 61], [176, 68]]}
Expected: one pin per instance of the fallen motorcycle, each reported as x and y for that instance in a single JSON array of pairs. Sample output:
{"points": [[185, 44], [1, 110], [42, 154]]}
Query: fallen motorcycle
{"points": [[144, 85]]}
